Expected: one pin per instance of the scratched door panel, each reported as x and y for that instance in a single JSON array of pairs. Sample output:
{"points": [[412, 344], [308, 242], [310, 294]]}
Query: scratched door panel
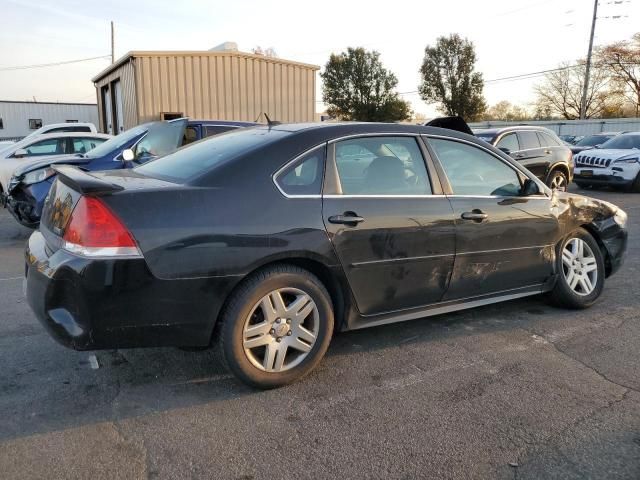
{"points": [[511, 248]]}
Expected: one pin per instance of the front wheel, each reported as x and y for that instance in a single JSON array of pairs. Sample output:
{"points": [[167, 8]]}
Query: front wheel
{"points": [[557, 181], [581, 272], [277, 326]]}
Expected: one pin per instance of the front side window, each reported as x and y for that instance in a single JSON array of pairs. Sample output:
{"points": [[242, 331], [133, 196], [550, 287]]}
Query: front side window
{"points": [[303, 177], [51, 146], [84, 145], [509, 142], [211, 130], [475, 172], [381, 166]]}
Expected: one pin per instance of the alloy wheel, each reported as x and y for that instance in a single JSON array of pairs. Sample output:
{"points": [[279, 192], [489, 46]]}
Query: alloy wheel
{"points": [[281, 330], [579, 266], [559, 182]]}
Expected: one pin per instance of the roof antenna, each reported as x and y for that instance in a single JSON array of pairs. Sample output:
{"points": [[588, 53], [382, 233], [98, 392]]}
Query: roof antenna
{"points": [[271, 123]]}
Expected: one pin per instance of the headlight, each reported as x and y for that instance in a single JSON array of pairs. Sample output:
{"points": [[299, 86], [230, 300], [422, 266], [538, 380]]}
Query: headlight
{"points": [[38, 176], [620, 218], [627, 160]]}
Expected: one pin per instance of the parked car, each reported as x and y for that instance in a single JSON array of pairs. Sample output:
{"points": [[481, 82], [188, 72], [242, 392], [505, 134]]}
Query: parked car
{"points": [[48, 145], [64, 127], [266, 240], [568, 139], [592, 141], [30, 184], [536, 148], [615, 163]]}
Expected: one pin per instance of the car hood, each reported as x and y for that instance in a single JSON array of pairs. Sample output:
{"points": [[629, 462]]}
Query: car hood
{"points": [[613, 154], [46, 161]]}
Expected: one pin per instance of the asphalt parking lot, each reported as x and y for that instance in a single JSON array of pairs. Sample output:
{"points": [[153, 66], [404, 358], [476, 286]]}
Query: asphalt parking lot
{"points": [[516, 390]]}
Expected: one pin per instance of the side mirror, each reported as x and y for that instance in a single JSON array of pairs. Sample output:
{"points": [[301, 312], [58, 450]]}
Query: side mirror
{"points": [[127, 155], [530, 188], [505, 150], [21, 152], [596, 146]]}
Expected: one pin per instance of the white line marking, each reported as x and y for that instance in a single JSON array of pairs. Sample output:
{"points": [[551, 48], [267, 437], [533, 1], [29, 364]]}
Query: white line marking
{"points": [[10, 278], [93, 361]]}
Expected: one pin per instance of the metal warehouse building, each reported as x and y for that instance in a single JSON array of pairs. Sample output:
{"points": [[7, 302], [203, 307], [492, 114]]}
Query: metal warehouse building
{"points": [[19, 119], [214, 84]]}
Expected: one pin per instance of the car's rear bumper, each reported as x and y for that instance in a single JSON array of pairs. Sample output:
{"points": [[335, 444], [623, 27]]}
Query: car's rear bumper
{"points": [[88, 304]]}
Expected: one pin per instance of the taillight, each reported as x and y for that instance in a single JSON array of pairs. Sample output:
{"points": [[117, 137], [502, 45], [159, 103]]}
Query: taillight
{"points": [[94, 231]]}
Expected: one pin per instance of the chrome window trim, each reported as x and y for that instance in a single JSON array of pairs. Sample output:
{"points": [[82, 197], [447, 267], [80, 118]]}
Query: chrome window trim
{"points": [[274, 176], [375, 134], [333, 195], [517, 168]]}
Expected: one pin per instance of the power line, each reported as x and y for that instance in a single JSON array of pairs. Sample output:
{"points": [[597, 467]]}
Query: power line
{"points": [[55, 64]]}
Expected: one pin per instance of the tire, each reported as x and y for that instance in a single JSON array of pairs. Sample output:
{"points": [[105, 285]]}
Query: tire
{"points": [[254, 331], [569, 291], [557, 179], [635, 186], [583, 185]]}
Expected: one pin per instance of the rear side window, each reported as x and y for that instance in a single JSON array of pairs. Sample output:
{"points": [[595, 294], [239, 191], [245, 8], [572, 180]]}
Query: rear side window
{"points": [[550, 139], [303, 177], [528, 140], [381, 166]]}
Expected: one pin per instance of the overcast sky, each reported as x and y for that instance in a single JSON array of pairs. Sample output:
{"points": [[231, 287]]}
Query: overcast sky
{"points": [[511, 36]]}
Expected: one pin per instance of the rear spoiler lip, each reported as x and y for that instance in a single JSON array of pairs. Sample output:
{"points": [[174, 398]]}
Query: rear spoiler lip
{"points": [[83, 182]]}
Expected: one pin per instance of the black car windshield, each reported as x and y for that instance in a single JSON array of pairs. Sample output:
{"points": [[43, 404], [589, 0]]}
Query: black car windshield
{"points": [[592, 140], [117, 142], [200, 157], [622, 142]]}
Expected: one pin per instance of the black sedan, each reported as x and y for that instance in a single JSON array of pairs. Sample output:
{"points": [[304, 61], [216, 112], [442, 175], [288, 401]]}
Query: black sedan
{"points": [[267, 240]]}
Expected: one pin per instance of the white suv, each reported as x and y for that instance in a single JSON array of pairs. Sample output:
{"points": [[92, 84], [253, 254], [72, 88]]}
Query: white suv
{"points": [[615, 163]]}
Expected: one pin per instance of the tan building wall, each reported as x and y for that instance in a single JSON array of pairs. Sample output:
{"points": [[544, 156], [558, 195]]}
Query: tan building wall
{"points": [[210, 85]]}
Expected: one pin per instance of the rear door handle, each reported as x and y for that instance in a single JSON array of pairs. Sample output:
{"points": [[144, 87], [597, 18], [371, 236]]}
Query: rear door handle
{"points": [[519, 155], [475, 215], [348, 218]]}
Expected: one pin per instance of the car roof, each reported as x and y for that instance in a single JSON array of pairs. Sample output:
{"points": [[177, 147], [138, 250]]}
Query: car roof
{"points": [[499, 130], [42, 136], [232, 123], [68, 124], [335, 129]]}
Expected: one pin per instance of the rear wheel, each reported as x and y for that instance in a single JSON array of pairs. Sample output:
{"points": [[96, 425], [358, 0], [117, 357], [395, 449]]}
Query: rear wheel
{"points": [[276, 327], [635, 186], [557, 180], [580, 265]]}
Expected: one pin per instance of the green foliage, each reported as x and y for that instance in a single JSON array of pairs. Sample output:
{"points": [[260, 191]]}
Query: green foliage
{"points": [[357, 87], [449, 79]]}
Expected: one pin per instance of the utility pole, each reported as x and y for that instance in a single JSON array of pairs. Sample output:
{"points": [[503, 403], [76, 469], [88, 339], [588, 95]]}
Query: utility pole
{"points": [[585, 89], [112, 44]]}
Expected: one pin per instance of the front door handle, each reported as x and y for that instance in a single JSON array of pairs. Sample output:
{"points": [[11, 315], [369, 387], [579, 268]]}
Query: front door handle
{"points": [[348, 218], [519, 155], [475, 215]]}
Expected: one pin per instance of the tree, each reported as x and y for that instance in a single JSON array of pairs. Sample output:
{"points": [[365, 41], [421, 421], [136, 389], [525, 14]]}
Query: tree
{"points": [[561, 93], [357, 87], [448, 78], [507, 112], [622, 61]]}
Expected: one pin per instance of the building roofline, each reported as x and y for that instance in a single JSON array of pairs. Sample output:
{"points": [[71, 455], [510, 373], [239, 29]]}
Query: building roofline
{"points": [[201, 53], [31, 102]]}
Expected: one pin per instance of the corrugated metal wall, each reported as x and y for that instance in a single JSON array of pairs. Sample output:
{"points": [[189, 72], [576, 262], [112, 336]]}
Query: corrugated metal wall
{"points": [[224, 86], [573, 127], [15, 116], [126, 74]]}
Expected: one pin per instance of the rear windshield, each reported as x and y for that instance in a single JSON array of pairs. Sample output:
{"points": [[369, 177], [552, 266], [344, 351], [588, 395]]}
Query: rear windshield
{"points": [[200, 157], [623, 142]]}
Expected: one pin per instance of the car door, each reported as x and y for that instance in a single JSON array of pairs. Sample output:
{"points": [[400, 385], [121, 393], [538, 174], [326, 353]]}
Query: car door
{"points": [[532, 155], [504, 240], [391, 227]]}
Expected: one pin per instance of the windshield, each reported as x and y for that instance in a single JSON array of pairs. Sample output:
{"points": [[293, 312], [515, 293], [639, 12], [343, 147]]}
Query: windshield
{"points": [[622, 142], [117, 142], [200, 157], [592, 140]]}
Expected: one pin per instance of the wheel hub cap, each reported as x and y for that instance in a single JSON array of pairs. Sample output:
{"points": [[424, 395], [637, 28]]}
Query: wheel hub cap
{"points": [[579, 266], [281, 330]]}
